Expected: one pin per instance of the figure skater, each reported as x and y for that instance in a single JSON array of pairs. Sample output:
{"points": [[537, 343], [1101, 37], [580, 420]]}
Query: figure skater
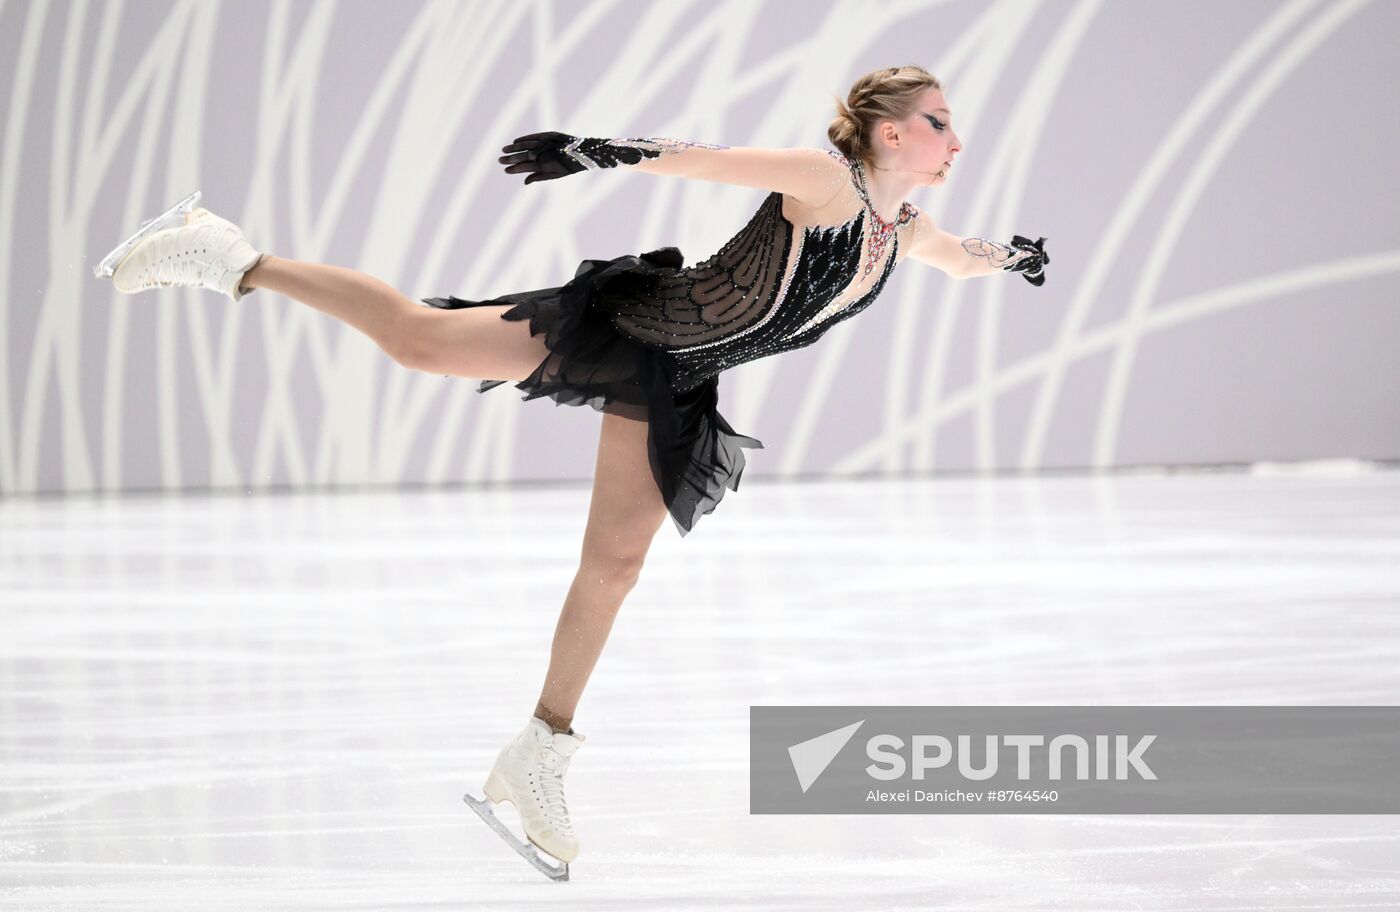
{"points": [[641, 339]]}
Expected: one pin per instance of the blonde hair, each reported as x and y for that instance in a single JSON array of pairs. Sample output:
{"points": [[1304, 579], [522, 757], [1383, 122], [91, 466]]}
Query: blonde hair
{"points": [[891, 93]]}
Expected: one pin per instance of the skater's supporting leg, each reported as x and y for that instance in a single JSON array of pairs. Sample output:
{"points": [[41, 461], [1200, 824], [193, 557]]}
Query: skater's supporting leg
{"points": [[557, 722], [625, 513]]}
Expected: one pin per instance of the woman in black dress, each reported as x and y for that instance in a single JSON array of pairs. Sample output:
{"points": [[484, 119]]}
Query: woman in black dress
{"points": [[643, 339]]}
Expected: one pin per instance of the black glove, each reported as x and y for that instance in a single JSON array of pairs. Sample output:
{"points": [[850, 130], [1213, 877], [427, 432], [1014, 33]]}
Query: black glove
{"points": [[551, 155], [1032, 265]]}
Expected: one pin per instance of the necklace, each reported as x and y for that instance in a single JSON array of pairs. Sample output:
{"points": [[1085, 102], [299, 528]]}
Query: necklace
{"points": [[883, 230]]}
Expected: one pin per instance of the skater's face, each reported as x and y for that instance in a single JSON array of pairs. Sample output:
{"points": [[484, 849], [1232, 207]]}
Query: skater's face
{"points": [[923, 142]]}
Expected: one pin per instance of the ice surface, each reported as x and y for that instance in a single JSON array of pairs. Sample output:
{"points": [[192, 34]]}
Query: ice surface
{"points": [[277, 702]]}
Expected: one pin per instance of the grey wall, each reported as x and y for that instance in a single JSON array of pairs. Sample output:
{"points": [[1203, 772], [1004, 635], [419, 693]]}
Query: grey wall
{"points": [[1217, 183]]}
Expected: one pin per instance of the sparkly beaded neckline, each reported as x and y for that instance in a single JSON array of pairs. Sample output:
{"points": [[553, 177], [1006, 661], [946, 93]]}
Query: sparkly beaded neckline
{"points": [[883, 230]]}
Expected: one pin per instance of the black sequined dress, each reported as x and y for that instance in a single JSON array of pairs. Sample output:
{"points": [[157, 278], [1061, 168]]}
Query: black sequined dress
{"points": [[646, 337]]}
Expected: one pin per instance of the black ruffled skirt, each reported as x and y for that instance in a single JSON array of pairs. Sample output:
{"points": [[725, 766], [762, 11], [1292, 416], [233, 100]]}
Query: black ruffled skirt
{"points": [[694, 453]]}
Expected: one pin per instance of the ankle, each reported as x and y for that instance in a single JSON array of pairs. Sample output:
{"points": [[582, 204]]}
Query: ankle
{"points": [[556, 722], [251, 278]]}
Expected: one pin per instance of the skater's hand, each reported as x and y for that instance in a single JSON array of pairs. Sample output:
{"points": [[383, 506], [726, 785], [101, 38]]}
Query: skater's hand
{"points": [[1032, 261], [541, 155], [551, 155]]}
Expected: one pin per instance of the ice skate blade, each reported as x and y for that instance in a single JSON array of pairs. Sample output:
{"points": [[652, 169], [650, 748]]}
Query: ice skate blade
{"points": [[171, 217], [558, 873]]}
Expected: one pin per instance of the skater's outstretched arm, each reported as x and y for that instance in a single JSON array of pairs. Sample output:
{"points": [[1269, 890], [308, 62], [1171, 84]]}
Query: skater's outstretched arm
{"points": [[809, 176], [969, 258]]}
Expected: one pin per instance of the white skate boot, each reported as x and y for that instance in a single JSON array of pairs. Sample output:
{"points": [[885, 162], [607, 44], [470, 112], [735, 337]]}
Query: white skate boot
{"points": [[529, 774], [185, 248]]}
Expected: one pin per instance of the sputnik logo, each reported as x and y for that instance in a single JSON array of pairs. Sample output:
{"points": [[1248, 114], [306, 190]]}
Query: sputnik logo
{"points": [[810, 758]]}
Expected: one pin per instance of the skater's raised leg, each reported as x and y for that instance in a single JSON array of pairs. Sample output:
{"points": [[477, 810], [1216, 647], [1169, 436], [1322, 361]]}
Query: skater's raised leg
{"points": [[187, 247], [625, 513], [369, 304], [471, 342]]}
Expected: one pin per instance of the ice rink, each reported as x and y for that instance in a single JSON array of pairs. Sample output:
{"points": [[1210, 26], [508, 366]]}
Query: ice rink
{"points": [[276, 701]]}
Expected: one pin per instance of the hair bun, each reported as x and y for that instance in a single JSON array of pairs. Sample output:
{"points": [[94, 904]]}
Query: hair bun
{"points": [[891, 93]]}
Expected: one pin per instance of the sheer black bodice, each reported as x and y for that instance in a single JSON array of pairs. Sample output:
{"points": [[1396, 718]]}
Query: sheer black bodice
{"points": [[771, 288]]}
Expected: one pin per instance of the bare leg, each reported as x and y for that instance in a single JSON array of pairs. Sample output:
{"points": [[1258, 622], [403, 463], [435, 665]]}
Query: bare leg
{"points": [[468, 342], [366, 303], [623, 517]]}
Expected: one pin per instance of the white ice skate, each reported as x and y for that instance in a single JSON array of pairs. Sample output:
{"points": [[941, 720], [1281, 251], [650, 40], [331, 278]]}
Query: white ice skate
{"points": [[529, 774], [182, 247]]}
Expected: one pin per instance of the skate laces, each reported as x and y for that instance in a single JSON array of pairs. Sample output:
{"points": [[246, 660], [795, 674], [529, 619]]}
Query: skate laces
{"points": [[552, 791], [174, 267]]}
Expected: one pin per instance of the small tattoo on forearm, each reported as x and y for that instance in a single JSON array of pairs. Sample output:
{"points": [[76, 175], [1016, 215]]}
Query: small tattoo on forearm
{"points": [[999, 254]]}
